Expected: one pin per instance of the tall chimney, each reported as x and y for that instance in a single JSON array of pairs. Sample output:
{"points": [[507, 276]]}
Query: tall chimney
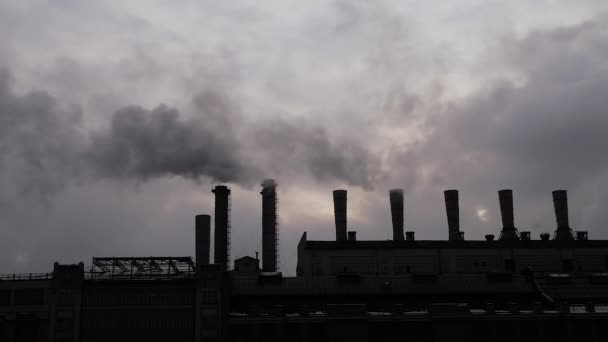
{"points": [[222, 225], [202, 236], [269, 225], [451, 208], [560, 202], [509, 232], [396, 199], [340, 214]]}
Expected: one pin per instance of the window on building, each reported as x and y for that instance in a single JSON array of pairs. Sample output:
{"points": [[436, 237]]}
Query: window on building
{"points": [[567, 265], [510, 265]]}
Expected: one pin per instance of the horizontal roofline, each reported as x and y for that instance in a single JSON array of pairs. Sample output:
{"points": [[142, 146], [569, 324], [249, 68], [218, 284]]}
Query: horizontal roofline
{"points": [[390, 244]]}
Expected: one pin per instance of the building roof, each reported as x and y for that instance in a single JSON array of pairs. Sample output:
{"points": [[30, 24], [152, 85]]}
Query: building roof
{"points": [[390, 244]]}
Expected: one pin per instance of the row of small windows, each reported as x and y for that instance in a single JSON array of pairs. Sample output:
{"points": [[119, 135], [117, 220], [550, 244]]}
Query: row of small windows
{"points": [[23, 297], [139, 299], [468, 264], [138, 323]]}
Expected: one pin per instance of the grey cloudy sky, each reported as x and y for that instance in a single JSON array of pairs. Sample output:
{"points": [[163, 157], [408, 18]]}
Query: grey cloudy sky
{"points": [[117, 118]]}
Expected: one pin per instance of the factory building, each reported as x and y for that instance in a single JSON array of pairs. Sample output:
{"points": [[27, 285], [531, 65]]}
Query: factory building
{"points": [[512, 288]]}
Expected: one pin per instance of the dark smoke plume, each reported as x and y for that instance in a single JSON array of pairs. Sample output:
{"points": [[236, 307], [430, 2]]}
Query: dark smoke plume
{"points": [[51, 148]]}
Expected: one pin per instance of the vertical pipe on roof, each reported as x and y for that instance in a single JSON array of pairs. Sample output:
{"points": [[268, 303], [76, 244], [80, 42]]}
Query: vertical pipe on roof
{"points": [[452, 211], [509, 232], [397, 209], [560, 203], [202, 236], [269, 225], [222, 222], [340, 214]]}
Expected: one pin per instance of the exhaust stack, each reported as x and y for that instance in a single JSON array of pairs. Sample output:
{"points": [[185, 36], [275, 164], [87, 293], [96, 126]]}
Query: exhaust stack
{"points": [[202, 239], [509, 232], [340, 214], [269, 225], [396, 199], [560, 202], [451, 207], [222, 226]]}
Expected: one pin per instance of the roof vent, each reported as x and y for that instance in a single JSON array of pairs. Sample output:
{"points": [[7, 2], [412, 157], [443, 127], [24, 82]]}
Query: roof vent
{"points": [[352, 236], [582, 235], [545, 236], [524, 236], [409, 236], [490, 237]]}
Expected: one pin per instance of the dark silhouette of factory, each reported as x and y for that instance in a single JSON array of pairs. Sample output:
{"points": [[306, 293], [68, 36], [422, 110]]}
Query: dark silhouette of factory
{"points": [[512, 288]]}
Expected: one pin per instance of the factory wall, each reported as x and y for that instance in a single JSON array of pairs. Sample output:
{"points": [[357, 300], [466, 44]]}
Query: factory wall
{"points": [[399, 261]]}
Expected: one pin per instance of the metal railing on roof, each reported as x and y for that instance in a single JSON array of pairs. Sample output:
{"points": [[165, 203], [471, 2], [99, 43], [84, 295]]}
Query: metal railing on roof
{"points": [[26, 276]]}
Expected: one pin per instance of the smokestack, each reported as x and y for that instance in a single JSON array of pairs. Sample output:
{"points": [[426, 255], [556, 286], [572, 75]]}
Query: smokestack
{"points": [[396, 199], [202, 239], [451, 207], [560, 202], [222, 226], [509, 232], [340, 214], [269, 225]]}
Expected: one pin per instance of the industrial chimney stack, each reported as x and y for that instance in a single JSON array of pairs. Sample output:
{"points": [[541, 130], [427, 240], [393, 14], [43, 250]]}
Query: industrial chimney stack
{"points": [[202, 239], [222, 226], [269, 225], [396, 199], [509, 232], [451, 207], [340, 214], [560, 202]]}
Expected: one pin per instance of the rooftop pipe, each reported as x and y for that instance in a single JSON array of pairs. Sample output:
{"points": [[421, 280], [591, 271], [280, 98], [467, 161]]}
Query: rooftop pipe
{"points": [[396, 199], [222, 240], [560, 202], [340, 214], [509, 232], [451, 207], [269, 225], [202, 235]]}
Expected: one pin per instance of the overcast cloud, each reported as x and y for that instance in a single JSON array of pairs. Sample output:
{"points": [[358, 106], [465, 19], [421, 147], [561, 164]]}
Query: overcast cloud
{"points": [[116, 119]]}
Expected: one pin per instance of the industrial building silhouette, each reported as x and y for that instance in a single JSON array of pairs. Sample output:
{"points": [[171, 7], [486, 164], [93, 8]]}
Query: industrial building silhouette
{"points": [[513, 288]]}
